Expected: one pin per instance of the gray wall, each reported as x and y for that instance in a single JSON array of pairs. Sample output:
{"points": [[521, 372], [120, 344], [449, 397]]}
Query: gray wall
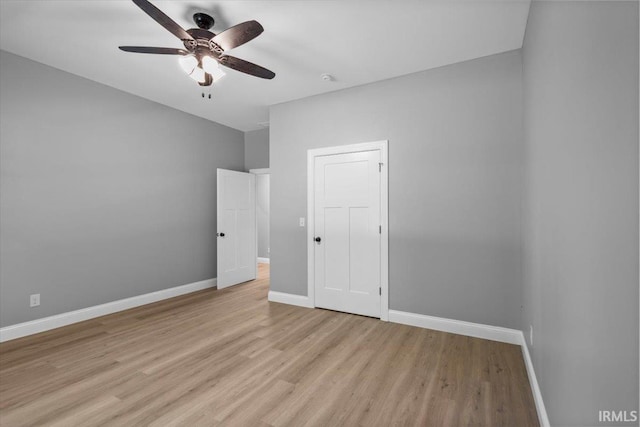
{"points": [[256, 149], [454, 184], [256, 156], [581, 205], [262, 212], [103, 195]]}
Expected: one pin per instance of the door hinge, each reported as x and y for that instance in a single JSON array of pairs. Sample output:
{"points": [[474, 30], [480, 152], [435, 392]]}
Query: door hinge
{"points": [[380, 229], [379, 291], [380, 167]]}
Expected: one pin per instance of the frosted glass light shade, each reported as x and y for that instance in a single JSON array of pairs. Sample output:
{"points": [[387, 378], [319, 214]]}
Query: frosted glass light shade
{"points": [[198, 75], [188, 63], [211, 66]]}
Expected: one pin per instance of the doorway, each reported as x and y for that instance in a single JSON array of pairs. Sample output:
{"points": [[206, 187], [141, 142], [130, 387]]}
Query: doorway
{"points": [[263, 187], [347, 208]]}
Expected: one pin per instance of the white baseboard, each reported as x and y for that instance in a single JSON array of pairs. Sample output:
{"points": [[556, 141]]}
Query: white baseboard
{"points": [[495, 333], [263, 260], [299, 300], [533, 381], [47, 323]]}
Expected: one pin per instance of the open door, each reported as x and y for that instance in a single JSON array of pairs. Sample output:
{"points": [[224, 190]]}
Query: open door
{"points": [[236, 227]]}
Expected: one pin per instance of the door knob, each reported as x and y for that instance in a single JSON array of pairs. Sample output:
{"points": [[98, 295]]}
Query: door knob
{"points": [[221, 234], [318, 239]]}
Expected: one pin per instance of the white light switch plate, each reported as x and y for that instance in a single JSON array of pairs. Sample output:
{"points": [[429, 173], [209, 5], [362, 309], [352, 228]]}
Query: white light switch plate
{"points": [[301, 222], [34, 300]]}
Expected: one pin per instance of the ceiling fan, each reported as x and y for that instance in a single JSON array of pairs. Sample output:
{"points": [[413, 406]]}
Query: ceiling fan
{"points": [[204, 50]]}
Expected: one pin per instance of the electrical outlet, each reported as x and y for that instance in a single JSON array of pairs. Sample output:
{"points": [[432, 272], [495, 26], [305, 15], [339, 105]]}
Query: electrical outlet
{"points": [[301, 222], [34, 300], [531, 335]]}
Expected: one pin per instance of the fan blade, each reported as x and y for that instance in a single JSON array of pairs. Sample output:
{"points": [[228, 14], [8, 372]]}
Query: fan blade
{"points": [[156, 50], [163, 19], [238, 35], [246, 67]]}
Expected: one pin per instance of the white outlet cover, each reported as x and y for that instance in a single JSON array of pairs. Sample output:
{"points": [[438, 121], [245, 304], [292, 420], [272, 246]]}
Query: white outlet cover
{"points": [[301, 222]]}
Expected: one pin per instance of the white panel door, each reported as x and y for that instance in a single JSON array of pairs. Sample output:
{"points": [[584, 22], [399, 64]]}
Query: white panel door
{"points": [[236, 227], [347, 221]]}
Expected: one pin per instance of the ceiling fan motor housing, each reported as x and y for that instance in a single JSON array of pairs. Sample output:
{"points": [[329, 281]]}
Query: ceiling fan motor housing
{"points": [[203, 20], [202, 43]]}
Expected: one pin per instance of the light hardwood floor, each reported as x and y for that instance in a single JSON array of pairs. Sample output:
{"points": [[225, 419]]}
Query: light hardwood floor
{"points": [[230, 357]]}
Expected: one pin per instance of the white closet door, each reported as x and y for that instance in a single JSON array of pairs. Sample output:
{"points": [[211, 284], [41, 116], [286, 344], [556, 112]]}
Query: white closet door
{"points": [[347, 227]]}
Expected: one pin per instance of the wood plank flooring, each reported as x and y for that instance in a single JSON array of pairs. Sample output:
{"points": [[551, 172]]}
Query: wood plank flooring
{"points": [[231, 358]]}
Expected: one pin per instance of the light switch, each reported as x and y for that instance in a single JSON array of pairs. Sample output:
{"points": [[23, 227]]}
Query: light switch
{"points": [[301, 222]]}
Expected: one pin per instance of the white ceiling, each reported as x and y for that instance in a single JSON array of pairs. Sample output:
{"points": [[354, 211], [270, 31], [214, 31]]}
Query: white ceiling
{"points": [[357, 42]]}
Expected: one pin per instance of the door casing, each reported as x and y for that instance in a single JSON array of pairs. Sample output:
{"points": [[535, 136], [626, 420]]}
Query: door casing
{"points": [[384, 215]]}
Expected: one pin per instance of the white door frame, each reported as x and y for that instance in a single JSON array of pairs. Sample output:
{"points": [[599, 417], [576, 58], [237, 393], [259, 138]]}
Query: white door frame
{"points": [[261, 171], [384, 215]]}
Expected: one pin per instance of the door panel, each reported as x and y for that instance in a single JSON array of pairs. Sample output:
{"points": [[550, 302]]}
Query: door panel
{"points": [[246, 238], [362, 250], [335, 249], [227, 245], [237, 221], [347, 219]]}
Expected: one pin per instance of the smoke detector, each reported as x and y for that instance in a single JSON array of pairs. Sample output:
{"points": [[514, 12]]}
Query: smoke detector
{"points": [[326, 77]]}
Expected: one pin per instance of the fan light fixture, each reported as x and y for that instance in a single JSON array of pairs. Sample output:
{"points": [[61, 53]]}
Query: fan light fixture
{"points": [[189, 63]]}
